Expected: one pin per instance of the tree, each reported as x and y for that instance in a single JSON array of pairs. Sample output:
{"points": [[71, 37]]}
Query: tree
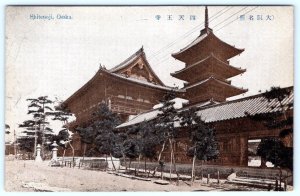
{"points": [[63, 139], [87, 135], [38, 126], [132, 149], [204, 146], [142, 141], [26, 144], [165, 121], [149, 140], [63, 114], [7, 127], [277, 120], [274, 149], [101, 133]]}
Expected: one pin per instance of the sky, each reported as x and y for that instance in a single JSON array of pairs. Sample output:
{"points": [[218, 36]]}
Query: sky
{"points": [[56, 57]]}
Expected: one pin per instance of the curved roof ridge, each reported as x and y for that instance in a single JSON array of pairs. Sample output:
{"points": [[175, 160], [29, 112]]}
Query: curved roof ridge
{"points": [[129, 59]]}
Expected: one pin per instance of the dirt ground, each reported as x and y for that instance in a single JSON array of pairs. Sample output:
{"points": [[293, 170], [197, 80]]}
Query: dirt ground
{"points": [[24, 176]]}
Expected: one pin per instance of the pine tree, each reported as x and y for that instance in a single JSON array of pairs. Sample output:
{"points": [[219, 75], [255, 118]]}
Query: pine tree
{"points": [[204, 146], [165, 121], [7, 127], [64, 138], [101, 133], [88, 135], [141, 142], [149, 140], [277, 120], [38, 127], [273, 149]]}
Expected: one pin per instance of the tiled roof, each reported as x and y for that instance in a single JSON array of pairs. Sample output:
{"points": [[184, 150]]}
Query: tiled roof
{"points": [[238, 108], [211, 56], [214, 80], [201, 38], [132, 59], [113, 72], [144, 82], [145, 116], [193, 43]]}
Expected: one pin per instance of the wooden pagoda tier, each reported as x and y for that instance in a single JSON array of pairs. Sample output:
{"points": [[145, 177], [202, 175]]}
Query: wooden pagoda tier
{"points": [[210, 89], [209, 66], [129, 88]]}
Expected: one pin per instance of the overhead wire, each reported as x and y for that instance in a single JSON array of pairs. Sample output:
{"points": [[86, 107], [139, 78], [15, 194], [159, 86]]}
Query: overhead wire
{"points": [[164, 59], [186, 34]]}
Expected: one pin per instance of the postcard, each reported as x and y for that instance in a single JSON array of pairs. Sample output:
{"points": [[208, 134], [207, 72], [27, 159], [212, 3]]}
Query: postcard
{"points": [[149, 98]]}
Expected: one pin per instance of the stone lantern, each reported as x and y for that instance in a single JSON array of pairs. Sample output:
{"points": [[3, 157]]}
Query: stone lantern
{"points": [[38, 157], [54, 151]]}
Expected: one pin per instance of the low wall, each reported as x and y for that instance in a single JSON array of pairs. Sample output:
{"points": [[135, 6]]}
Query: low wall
{"points": [[110, 161], [224, 171]]}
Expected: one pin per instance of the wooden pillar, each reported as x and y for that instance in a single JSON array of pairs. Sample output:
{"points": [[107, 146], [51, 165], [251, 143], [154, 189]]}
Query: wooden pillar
{"points": [[244, 151]]}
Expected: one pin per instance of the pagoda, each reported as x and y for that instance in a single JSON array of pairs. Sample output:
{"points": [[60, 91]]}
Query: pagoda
{"points": [[207, 68]]}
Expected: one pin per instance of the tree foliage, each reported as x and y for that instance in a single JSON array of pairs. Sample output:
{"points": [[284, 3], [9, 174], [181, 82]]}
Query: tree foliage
{"points": [[167, 116], [204, 145], [274, 151], [7, 127], [101, 132], [38, 124]]}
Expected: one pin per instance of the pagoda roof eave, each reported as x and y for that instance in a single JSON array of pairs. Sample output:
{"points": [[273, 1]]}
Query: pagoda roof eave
{"points": [[180, 55], [212, 79], [177, 74]]}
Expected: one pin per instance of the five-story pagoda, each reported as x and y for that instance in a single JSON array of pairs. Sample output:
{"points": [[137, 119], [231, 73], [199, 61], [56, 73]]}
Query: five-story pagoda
{"points": [[207, 68]]}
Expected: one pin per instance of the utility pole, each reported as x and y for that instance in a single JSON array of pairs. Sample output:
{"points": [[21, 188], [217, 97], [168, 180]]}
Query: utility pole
{"points": [[15, 144]]}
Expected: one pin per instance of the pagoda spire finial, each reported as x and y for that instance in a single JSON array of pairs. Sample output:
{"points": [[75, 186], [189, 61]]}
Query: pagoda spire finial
{"points": [[206, 18]]}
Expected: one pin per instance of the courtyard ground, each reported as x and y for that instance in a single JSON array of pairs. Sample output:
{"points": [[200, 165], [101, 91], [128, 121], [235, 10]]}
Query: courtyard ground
{"points": [[31, 176]]}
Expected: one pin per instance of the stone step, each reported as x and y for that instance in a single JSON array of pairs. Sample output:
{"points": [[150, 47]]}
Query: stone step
{"points": [[256, 185], [254, 182]]}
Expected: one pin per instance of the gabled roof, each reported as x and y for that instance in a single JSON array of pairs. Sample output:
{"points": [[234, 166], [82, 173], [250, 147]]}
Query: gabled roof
{"points": [[102, 71], [253, 105], [115, 72], [130, 62], [141, 82]]}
